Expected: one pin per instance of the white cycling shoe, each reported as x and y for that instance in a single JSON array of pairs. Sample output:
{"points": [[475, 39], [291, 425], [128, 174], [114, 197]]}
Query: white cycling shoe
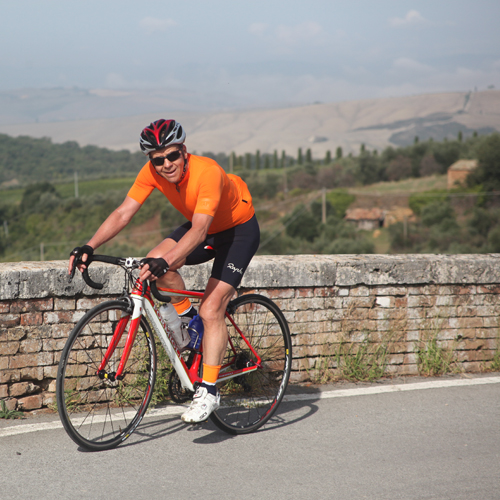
{"points": [[202, 406]]}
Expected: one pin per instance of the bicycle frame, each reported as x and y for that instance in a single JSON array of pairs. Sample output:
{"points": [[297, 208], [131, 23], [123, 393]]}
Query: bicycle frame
{"points": [[143, 304]]}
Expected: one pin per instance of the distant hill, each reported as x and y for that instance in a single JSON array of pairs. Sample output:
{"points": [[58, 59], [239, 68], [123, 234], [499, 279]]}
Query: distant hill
{"points": [[114, 120]]}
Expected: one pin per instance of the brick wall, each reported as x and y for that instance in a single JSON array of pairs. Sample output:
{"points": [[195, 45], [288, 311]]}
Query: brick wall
{"points": [[398, 302]]}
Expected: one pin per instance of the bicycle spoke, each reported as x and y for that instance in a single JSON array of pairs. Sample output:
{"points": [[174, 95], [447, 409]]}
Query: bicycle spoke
{"points": [[250, 399], [97, 411]]}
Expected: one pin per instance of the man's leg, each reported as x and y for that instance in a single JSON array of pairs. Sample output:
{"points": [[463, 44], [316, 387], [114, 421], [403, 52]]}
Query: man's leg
{"points": [[212, 312]]}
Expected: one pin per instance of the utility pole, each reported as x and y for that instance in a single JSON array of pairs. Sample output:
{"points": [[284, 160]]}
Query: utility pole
{"points": [[76, 184], [323, 205], [41, 252], [6, 228]]}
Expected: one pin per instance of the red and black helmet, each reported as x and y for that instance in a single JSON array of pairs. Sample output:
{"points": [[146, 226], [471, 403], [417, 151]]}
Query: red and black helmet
{"points": [[160, 134]]}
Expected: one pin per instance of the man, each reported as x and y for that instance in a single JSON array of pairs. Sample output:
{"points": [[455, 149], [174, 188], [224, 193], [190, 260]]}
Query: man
{"points": [[221, 226]]}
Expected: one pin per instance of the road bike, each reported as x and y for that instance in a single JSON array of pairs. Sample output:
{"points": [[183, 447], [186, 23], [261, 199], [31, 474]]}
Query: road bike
{"points": [[107, 371]]}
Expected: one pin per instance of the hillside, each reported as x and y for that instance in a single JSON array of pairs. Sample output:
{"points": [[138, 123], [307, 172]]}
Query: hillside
{"points": [[111, 120]]}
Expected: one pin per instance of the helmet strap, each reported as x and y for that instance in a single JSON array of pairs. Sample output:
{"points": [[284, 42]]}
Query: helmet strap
{"points": [[184, 170]]}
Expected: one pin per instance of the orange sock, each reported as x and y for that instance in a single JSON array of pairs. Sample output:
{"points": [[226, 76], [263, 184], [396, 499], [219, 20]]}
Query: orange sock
{"points": [[210, 373], [182, 306]]}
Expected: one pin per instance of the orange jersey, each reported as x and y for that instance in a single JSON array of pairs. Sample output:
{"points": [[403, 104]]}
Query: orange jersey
{"points": [[205, 189]]}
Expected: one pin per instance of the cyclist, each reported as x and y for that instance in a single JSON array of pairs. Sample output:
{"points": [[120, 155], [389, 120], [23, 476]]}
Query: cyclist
{"points": [[221, 226]]}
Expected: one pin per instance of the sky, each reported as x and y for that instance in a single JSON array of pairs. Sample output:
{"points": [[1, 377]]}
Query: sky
{"points": [[259, 53]]}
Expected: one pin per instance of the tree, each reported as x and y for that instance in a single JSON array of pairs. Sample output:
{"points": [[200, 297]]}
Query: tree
{"points": [[328, 157], [302, 224], [308, 155], [257, 160], [283, 159], [299, 156], [429, 166], [338, 153], [488, 171], [399, 168], [248, 161], [266, 162]]}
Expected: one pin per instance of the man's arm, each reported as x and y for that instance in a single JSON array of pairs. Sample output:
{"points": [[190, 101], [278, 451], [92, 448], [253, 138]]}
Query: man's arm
{"points": [[115, 222]]}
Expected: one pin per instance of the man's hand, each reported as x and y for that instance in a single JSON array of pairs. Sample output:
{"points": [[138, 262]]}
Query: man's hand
{"points": [[78, 256], [153, 268]]}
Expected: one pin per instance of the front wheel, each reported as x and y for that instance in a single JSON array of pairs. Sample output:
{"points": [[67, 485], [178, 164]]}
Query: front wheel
{"points": [[98, 412], [249, 401]]}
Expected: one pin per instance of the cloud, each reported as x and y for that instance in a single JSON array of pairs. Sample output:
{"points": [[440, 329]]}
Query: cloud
{"points": [[407, 64], [153, 24], [304, 32], [257, 29], [115, 81], [288, 36], [411, 19]]}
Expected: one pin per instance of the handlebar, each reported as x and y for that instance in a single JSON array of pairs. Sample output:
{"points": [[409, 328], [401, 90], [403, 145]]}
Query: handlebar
{"points": [[117, 261]]}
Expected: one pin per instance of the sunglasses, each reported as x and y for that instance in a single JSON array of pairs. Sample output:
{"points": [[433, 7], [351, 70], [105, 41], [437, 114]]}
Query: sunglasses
{"points": [[158, 161]]}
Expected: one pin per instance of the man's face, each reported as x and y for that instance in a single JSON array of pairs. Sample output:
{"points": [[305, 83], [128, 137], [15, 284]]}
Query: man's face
{"points": [[170, 170]]}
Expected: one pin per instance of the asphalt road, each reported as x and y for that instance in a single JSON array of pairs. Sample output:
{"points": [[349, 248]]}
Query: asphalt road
{"points": [[349, 442]]}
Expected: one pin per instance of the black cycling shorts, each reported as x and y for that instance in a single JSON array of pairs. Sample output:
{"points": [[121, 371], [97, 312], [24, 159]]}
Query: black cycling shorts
{"points": [[232, 250]]}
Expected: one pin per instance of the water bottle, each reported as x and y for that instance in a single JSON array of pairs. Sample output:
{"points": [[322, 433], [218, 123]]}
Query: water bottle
{"points": [[195, 329], [169, 314]]}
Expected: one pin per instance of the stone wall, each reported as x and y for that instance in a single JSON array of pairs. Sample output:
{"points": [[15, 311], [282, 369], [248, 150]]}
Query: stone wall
{"points": [[398, 303]]}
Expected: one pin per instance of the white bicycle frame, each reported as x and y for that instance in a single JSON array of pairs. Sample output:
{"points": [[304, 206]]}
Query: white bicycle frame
{"points": [[162, 330], [145, 305]]}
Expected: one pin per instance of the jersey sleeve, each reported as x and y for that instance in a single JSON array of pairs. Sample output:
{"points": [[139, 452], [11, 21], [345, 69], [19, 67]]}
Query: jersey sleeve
{"points": [[143, 186], [209, 193]]}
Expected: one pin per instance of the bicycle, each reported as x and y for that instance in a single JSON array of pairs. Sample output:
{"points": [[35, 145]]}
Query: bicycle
{"points": [[107, 371]]}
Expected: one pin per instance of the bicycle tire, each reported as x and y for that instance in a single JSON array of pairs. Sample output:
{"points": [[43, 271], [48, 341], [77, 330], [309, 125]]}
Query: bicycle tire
{"points": [[249, 401], [99, 413]]}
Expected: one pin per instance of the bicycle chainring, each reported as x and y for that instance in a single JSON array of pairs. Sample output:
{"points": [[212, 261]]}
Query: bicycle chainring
{"points": [[177, 392]]}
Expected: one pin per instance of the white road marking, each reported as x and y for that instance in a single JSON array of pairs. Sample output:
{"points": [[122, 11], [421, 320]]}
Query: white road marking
{"points": [[340, 393]]}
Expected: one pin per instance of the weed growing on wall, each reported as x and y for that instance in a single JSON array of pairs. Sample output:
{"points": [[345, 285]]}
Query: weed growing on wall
{"points": [[354, 361], [434, 359], [365, 361], [494, 366], [6, 413]]}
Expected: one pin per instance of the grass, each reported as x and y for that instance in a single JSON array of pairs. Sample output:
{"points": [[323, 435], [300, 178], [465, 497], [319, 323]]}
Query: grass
{"points": [[494, 365], [433, 359], [67, 190], [364, 361], [6, 413], [406, 186]]}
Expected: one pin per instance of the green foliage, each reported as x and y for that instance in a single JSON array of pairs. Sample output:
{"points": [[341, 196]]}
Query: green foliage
{"points": [[418, 201], [301, 224], [262, 187], [5, 413], [340, 200], [32, 160], [434, 359], [437, 213], [488, 171], [364, 361]]}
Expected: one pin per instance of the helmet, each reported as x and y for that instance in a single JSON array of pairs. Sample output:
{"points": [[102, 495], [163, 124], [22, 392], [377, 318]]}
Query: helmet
{"points": [[160, 134]]}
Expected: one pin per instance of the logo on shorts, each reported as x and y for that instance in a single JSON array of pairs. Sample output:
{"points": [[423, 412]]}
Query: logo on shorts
{"points": [[234, 268]]}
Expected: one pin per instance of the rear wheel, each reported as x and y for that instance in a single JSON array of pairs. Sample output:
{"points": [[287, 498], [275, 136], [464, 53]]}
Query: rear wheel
{"points": [[97, 411], [248, 401]]}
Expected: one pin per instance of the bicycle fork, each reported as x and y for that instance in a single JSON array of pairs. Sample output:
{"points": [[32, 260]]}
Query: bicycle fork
{"points": [[115, 339]]}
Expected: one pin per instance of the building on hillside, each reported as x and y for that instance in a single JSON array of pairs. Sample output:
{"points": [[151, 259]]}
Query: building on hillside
{"points": [[398, 214], [458, 172], [365, 218]]}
